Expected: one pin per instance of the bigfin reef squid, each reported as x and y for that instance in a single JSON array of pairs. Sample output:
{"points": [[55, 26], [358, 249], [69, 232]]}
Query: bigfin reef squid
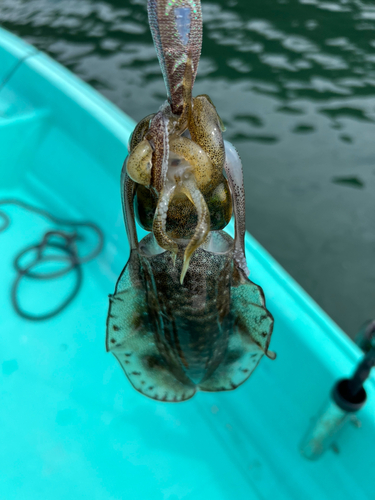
{"points": [[184, 316]]}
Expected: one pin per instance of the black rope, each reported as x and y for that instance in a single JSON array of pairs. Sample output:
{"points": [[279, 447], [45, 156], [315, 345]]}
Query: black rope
{"points": [[65, 242]]}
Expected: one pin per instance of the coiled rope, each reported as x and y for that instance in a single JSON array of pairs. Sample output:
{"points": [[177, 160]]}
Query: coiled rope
{"points": [[63, 241]]}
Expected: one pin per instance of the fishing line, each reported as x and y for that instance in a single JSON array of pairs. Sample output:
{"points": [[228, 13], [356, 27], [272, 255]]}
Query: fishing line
{"points": [[65, 242]]}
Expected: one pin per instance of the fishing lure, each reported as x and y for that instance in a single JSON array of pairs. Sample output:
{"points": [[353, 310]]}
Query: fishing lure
{"points": [[184, 315]]}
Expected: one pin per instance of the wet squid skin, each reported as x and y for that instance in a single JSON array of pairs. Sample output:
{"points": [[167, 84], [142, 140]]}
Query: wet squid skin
{"points": [[184, 315], [191, 183]]}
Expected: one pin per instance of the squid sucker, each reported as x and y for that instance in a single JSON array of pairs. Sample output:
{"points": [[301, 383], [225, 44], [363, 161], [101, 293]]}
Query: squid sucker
{"points": [[184, 316]]}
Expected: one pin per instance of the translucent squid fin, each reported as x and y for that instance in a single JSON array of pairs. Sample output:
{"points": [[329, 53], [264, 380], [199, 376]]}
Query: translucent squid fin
{"points": [[254, 320], [131, 339], [149, 372], [248, 342], [242, 358]]}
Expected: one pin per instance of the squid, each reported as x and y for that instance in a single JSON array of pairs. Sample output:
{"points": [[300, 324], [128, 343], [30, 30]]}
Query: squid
{"points": [[184, 315]]}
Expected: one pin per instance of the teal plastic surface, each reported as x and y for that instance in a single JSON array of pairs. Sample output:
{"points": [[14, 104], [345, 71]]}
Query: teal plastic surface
{"points": [[71, 426], [12, 52]]}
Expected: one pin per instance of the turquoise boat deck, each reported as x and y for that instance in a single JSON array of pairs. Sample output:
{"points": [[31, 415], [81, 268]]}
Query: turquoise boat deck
{"points": [[71, 426]]}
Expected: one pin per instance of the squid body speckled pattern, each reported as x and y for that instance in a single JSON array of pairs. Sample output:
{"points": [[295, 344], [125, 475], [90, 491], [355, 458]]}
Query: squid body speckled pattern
{"points": [[184, 315]]}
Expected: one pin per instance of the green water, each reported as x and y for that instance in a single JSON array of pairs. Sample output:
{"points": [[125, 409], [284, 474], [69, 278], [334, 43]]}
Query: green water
{"points": [[294, 82]]}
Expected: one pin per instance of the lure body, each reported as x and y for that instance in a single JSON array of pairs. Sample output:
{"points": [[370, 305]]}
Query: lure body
{"points": [[184, 316]]}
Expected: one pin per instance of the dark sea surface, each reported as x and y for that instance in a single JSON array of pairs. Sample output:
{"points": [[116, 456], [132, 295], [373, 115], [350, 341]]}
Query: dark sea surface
{"points": [[294, 82]]}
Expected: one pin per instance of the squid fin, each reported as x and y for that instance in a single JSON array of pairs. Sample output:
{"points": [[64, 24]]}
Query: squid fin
{"points": [[131, 339], [249, 341]]}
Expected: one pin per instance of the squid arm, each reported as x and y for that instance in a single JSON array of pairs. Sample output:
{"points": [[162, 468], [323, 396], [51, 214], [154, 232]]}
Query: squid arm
{"points": [[127, 197], [140, 131], [201, 164], [159, 139], [233, 169], [160, 221], [205, 130], [203, 226]]}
